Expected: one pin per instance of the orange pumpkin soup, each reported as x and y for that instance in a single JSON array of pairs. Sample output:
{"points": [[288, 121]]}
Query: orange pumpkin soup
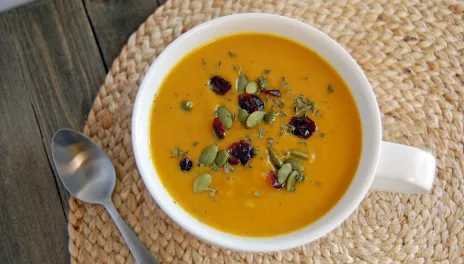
{"points": [[284, 101]]}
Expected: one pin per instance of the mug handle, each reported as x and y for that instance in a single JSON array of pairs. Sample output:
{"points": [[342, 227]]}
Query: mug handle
{"points": [[404, 169]]}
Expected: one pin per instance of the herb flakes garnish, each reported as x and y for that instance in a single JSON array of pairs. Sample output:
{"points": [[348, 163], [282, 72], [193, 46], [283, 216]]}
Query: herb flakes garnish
{"points": [[219, 64], [303, 143], [232, 54], [195, 143], [261, 132], [284, 129], [256, 151], [285, 152], [204, 64], [305, 78], [283, 82], [248, 138], [271, 141], [212, 191], [229, 178], [267, 71], [278, 103], [235, 67], [227, 168], [263, 83], [249, 166], [322, 135], [303, 105], [330, 89], [257, 194], [176, 152]]}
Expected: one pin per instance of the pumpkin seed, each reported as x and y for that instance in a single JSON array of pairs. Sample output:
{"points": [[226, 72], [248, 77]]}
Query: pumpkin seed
{"points": [[208, 155], [291, 181], [201, 183], [242, 82], [225, 116], [255, 119], [270, 117], [298, 154], [251, 87], [242, 116], [186, 105], [221, 158], [295, 164], [275, 160], [283, 173]]}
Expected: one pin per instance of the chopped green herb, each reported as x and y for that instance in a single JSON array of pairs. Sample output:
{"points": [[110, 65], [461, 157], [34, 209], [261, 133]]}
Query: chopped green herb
{"points": [[235, 67], [256, 151], [257, 194], [234, 116], [228, 167], [267, 71], [204, 64], [216, 142], [318, 113], [263, 82], [195, 143], [306, 77], [322, 135], [284, 129], [303, 105], [219, 64], [212, 191], [303, 143], [176, 152], [227, 99], [285, 152], [261, 158], [185, 154], [249, 165], [240, 71], [278, 103], [232, 54], [229, 178], [283, 82], [261, 132], [330, 89], [248, 138], [271, 141]]}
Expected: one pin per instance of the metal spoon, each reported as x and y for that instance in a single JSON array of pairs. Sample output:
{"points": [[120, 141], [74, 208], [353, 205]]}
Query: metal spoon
{"points": [[88, 174]]}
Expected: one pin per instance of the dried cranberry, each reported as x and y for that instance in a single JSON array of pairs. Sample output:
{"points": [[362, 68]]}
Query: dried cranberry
{"points": [[233, 161], [243, 151], [250, 103], [271, 177], [186, 164], [304, 127], [219, 85], [219, 128], [271, 92]]}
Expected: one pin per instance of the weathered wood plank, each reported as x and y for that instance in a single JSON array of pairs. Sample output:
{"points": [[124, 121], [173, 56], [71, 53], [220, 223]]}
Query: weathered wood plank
{"points": [[114, 21], [32, 222], [60, 65]]}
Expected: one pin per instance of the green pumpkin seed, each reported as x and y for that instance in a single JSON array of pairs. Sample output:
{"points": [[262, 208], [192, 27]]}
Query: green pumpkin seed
{"points": [[255, 119], [298, 154], [283, 173], [201, 183], [251, 87], [291, 181], [275, 160], [221, 158], [208, 156], [225, 116], [295, 164], [186, 105], [242, 82], [270, 117], [242, 116]]}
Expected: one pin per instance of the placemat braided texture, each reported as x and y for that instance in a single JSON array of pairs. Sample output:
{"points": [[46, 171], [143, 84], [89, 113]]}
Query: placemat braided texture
{"points": [[413, 55]]}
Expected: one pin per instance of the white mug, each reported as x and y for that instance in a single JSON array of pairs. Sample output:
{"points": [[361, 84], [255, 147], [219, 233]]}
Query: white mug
{"points": [[383, 166]]}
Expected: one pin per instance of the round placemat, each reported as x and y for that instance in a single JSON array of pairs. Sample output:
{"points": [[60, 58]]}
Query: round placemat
{"points": [[413, 54]]}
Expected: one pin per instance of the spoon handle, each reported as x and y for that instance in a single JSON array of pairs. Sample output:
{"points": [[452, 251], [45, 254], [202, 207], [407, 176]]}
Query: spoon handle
{"points": [[138, 250]]}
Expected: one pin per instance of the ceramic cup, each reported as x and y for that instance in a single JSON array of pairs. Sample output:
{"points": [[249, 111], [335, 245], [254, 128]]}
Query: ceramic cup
{"points": [[383, 166]]}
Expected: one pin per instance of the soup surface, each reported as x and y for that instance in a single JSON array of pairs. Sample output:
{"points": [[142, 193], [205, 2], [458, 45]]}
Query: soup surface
{"points": [[241, 199]]}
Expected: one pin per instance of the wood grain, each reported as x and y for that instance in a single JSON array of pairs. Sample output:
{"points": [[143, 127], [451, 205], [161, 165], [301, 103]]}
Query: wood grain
{"points": [[60, 65], [32, 222], [114, 21]]}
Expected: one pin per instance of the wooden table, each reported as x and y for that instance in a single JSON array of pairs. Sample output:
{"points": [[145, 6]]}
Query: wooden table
{"points": [[54, 55]]}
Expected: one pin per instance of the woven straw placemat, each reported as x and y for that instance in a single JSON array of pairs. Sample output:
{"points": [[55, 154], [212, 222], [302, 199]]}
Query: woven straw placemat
{"points": [[413, 55]]}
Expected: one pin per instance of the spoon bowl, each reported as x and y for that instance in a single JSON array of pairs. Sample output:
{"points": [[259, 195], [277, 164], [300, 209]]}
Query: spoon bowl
{"points": [[84, 168], [88, 174]]}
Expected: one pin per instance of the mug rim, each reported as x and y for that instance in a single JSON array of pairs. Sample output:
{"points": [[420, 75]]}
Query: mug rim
{"points": [[368, 109]]}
